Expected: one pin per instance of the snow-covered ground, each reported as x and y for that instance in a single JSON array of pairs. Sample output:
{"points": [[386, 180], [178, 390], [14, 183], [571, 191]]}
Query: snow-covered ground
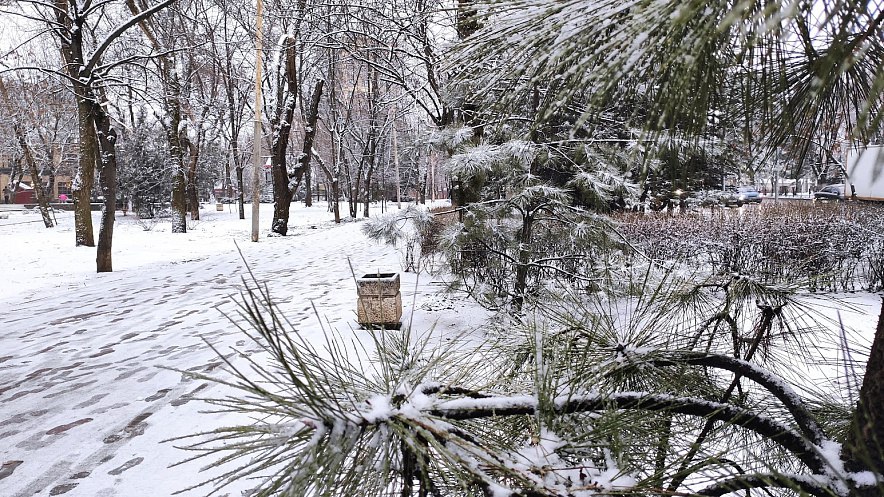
{"points": [[85, 401], [86, 398]]}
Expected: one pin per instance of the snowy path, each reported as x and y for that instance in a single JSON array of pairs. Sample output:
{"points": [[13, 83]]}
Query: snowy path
{"points": [[84, 401]]}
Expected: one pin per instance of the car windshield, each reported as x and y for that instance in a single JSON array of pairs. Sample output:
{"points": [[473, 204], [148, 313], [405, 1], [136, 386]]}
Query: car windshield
{"points": [[746, 189]]}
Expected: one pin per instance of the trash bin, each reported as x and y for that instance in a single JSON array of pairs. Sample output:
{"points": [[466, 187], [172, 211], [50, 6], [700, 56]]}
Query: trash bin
{"points": [[219, 207], [379, 300]]}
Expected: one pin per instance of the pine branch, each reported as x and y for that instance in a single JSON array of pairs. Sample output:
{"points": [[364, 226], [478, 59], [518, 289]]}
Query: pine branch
{"points": [[775, 385], [768, 428], [809, 486]]}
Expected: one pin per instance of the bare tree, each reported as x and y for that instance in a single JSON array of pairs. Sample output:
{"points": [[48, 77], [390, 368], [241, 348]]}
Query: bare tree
{"points": [[30, 162], [82, 32], [287, 91], [235, 100], [163, 37]]}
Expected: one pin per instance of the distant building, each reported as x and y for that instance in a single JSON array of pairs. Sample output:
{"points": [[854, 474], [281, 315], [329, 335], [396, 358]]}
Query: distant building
{"points": [[24, 194]]}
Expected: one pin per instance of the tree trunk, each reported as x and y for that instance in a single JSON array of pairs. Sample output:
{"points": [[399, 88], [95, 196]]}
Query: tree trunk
{"points": [[192, 191], [227, 186], [176, 147], [305, 159], [367, 190], [372, 144], [289, 185], [74, 61], [285, 113], [179, 198], [15, 177], [36, 180], [172, 102], [336, 196], [234, 127], [239, 184], [352, 189], [524, 239], [308, 187], [864, 449], [107, 177], [310, 133], [332, 190], [81, 187]]}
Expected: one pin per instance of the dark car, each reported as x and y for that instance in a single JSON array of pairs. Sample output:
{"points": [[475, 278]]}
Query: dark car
{"points": [[830, 192], [749, 195]]}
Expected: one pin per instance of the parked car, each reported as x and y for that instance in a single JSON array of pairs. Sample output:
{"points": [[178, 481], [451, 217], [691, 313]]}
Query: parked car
{"points": [[830, 192], [709, 198], [749, 195]]}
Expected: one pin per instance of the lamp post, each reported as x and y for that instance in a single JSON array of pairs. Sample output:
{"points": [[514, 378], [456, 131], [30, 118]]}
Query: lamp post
{"points": [[256, 153]]}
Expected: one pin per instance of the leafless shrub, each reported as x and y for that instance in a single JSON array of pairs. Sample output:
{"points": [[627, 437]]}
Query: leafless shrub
{"points": [[832, 247], [146, 223], [431, 233]]}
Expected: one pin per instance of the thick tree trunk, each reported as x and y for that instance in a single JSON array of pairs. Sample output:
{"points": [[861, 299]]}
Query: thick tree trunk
{"points": [[176, 147], [69, 27], [285, 113], [81, 187], [864, 449], [289, 185], [74, 61], [107, 177]]}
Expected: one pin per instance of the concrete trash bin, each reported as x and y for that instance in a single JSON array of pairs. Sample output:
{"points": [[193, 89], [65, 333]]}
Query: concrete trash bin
{"points": [[379, 300]]}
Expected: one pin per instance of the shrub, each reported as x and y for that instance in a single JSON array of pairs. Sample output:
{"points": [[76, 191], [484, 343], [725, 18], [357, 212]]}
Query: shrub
{"points": [[827, 247]]}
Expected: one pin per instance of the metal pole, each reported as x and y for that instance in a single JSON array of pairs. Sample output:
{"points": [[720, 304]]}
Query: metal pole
{"points": [[256, 173]]}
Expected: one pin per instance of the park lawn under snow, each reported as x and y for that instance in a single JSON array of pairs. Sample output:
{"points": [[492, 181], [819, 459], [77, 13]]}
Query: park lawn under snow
{"points": [[85, 399], [88, 390]]}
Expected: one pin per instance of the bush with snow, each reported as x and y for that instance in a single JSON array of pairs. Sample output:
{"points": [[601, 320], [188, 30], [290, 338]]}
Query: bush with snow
{"points": [[830, 247]]}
